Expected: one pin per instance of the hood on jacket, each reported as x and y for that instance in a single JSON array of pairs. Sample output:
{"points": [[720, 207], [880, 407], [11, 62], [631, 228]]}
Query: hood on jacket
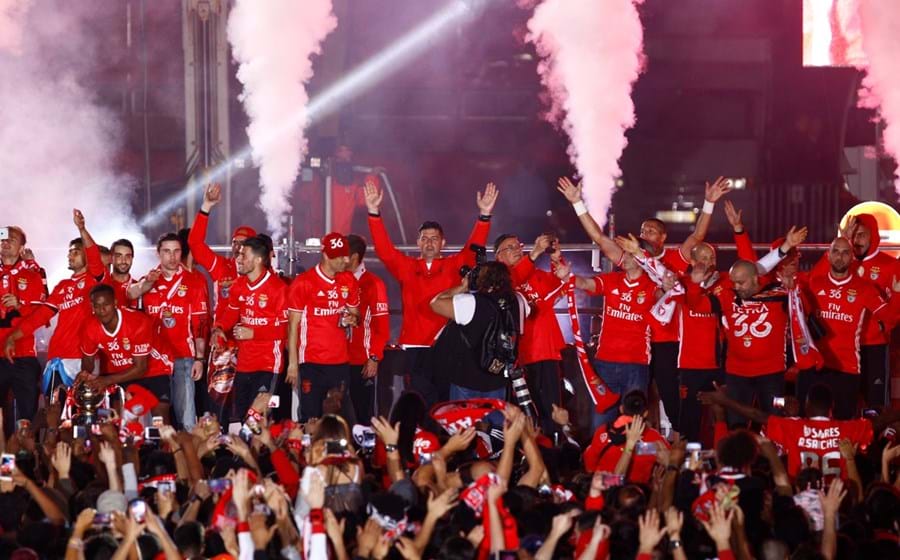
{"points": [[869, 222]]}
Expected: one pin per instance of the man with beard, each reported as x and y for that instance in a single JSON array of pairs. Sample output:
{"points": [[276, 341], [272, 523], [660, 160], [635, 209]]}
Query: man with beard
{"points": [[256, 316], [70, 300], [842, 302], [870, 265], [323, 306], [177, 298], [119, 275]]}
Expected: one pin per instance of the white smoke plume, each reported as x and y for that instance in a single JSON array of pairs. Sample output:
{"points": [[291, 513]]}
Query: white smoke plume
{"points": [[274, 42], [591, 54], [57, 144], [880, 21]]}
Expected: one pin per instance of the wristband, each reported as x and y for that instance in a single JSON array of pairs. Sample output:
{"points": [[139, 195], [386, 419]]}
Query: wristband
{"points": [[628, 449], [390, 448], [242, 527], [317, 520], [76, 543], [199, 359], [708, 207], [580, 208], [375, 214], [484, 217], [674, 545], [204, 212]]}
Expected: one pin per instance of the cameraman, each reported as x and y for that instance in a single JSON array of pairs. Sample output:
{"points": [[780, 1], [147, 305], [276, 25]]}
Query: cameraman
{"points": [[471, 313]]}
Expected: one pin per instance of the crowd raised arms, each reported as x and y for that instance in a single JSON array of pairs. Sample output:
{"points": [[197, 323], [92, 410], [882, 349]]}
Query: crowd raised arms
{"points": [[734, 413]]}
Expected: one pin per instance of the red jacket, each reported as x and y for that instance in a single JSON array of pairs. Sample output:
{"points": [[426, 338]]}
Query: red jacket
{"points": [[374, 330], [419, 283], [542, 339]]}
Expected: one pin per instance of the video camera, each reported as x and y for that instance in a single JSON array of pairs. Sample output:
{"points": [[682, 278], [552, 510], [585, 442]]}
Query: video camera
{"points": [[472, 272]]}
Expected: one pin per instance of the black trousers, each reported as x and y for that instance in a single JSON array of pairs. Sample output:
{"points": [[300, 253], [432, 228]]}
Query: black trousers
{"points": [[694, 381], [544, 386], [420, 376], [664, 371], [844, 390], [246, 387], [362, 395], [747, 390], [876, 374], [315, 382], [23, 377]]}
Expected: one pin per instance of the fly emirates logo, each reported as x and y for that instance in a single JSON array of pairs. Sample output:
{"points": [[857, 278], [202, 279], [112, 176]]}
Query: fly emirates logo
{"points": [[173, 309], [334, 306], [624, 312], [71, 302]]}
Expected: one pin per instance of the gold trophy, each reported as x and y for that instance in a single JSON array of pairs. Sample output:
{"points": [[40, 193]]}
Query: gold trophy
{"points": [[88, 401]]}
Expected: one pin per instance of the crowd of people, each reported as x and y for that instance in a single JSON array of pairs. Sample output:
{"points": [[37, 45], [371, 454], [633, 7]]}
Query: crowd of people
{"points": [[735, 414]]}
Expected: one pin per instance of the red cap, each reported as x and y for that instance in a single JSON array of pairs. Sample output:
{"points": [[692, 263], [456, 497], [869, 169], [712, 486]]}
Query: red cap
{"points": [[335, 245], [244, 231]]}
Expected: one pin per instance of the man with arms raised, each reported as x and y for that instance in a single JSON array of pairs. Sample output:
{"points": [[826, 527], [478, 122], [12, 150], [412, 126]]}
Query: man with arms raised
{"points": [[664, 338], [222, 270], [423, 277]]}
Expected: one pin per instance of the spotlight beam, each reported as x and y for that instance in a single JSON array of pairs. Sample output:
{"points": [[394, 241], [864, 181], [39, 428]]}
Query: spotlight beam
{"points": [[362, 78]]}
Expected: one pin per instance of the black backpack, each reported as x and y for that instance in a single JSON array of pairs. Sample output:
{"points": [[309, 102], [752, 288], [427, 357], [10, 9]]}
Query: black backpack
{"points": [[500, 343]]}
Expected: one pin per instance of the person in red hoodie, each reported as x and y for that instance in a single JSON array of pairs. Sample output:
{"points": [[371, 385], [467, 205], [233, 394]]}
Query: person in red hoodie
{"points": [[878, 268], [423, 277]]}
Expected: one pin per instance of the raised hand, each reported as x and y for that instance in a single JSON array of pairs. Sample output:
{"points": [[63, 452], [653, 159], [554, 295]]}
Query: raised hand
{"points": [[795, 237], [389, 434], [373, 197], [735, 216], [719, 526], [439, 505], [569, 190], [78, 219], [650, 532], [541, 244], [634, 431], [895, 285], [674, 522], [62, 459], [629, 244], [849, 229], [460, 440], [831, 500], [487, 200], [211, 196], [718, 189]]}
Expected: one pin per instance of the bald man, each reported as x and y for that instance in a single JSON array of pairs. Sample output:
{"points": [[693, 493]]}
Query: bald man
{"points": [[756, 325], [842, 302]]}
